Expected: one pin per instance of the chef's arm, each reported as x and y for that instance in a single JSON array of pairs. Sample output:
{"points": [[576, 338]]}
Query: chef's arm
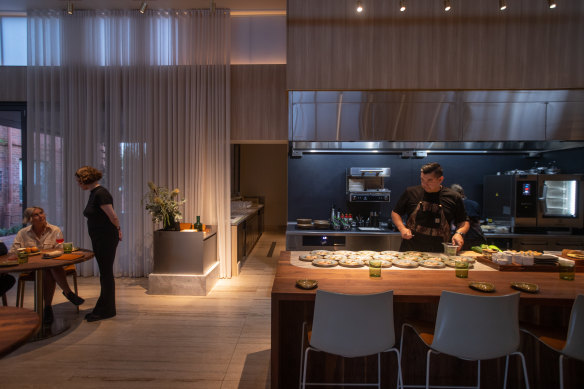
{"points": [[399, 224], [458, 237]]}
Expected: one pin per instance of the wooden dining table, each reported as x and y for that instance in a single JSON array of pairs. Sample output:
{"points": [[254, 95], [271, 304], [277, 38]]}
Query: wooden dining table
{"points": [[17, 326], [38, 263], [416, 296]]}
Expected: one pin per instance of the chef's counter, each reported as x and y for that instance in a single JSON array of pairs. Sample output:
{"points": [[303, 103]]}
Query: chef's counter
{"points": [[241, 215], [386, 239]]}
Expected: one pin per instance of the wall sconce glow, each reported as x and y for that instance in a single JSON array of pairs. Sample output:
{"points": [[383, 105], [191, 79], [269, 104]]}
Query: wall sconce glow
{"points": [[402, 5], [447, 5], [552, 3], [359, 8], [502, 5], [70, 8], [143, 7]]}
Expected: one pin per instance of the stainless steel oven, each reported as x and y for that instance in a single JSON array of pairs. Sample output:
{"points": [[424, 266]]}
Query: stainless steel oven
{"points": [[535, 200]]}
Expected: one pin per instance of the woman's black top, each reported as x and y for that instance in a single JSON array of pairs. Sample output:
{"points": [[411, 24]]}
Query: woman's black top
{"points": [[97, 219]]}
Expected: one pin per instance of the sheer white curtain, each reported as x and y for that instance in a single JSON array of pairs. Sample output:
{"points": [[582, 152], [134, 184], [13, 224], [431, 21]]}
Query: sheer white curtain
{"points": [[142, 98]]}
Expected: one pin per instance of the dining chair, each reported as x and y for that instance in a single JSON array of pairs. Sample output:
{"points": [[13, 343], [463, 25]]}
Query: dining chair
{"points": [[352, 326], [4, 300], [570, 347], [472, 328], [70, 270]]}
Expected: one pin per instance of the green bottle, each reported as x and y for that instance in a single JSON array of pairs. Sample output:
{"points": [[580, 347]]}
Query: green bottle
{"points": [[198, 226]]}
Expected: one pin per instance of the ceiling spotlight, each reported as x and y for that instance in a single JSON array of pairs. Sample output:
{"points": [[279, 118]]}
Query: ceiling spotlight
{"points": [[502, 5], [552, 3], [447, 5], [143, 7], [359, 8], [402, 5], [70, 8]]}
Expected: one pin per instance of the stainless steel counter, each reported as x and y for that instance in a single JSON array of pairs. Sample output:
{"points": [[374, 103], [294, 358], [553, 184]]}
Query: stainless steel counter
{"points": [[301, 239]]}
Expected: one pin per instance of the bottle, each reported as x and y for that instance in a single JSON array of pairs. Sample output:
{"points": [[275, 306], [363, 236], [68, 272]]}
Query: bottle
{"points": [[198, 226]]}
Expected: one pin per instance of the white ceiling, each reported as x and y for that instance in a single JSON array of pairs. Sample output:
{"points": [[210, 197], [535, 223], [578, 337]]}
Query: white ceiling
{"points": [[23, 5]]}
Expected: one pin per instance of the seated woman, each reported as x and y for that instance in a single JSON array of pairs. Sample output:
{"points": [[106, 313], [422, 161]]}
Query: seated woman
{"points": [[44, 236]]}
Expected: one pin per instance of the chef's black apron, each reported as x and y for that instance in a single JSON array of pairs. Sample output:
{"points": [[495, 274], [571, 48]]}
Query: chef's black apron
{"points": [[429, 227]]}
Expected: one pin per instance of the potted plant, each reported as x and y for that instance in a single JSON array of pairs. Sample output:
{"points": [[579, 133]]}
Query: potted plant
{"points": [[164, 205]]}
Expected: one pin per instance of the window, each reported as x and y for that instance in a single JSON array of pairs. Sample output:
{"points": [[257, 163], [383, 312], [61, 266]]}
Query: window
{"points": [[13, 41]]}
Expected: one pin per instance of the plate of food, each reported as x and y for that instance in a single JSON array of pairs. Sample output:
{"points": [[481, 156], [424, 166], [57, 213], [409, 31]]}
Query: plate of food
{"points": [[462, 258], [309, 257], [8, 263], [432, 263], [346, 253], [321, 252], [481, 286], [384, 257], [390, 252], [367, 252], [527, 287], [452, 262], [575, 255], [350, 262], [336, 257], [307, 284], [405, 263], [323, 262]]}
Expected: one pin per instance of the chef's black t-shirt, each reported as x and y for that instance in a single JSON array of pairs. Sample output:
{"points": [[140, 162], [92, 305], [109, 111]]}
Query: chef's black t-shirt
{"points": [[97, 219]]}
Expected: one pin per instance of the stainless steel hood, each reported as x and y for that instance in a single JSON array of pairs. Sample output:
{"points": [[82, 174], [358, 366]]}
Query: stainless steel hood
{"points": [[421, 149], [418, 122]]}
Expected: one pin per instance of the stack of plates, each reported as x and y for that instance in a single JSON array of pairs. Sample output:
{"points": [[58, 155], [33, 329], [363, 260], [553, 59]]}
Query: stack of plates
{"points": [[304, 224]]}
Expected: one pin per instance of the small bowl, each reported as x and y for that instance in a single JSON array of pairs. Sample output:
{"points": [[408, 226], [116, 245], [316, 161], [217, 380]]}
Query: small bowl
{"points": [[303, 221], [307, 284]]}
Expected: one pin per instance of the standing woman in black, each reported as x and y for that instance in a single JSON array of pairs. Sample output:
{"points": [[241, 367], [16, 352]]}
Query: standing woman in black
{"points": [[104, 230]]}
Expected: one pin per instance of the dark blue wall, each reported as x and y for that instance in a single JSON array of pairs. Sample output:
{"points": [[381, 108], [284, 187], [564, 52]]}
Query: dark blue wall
{"points": [[317, 181]]}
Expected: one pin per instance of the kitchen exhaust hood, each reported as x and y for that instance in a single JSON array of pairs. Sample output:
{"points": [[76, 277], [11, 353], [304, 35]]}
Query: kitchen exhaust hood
{"points": [[417, 123], [422, 149]]}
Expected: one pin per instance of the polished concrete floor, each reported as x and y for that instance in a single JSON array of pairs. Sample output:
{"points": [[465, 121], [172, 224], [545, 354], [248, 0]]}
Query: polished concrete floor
{"points": [[218, 341]]}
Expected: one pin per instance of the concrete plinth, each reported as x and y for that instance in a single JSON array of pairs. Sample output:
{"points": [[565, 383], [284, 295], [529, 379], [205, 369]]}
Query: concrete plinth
{"points": [[184, 284]]}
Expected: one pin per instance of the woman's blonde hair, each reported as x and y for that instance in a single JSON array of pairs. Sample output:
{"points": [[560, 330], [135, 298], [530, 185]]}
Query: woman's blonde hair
{"points": [[27, 214], [88, 175]]}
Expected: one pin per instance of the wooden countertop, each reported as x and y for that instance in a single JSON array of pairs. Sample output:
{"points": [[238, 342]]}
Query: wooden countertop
{"points": [[420, 286]]}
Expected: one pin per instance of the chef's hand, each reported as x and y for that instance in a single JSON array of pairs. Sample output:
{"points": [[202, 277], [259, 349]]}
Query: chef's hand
{"points": [[406, 233], [458, 240]]}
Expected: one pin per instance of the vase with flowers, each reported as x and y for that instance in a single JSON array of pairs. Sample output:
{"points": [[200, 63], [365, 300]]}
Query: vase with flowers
{"points": [[163, 205]]}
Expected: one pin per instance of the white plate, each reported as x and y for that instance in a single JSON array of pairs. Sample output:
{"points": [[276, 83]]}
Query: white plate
{"points": [[309, 257], [324, 263], [351, 263], [405, 263]]}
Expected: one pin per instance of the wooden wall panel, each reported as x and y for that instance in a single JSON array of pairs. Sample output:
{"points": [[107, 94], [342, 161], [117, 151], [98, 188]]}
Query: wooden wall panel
{"points": [[474, 46], [259, 109], [13, 81]]}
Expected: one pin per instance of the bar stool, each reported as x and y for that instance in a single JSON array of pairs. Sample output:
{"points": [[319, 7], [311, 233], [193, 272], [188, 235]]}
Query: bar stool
{"points": [[70, 270], [573, 345], [473, 328], [352, 326]]}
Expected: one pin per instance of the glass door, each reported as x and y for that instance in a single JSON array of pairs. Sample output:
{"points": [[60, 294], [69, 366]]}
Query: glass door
{"points": [[12, 169], [560, 200]]}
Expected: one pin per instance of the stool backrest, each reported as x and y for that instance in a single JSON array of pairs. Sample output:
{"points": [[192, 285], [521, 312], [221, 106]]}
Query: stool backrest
{"points": [[353, 325], [575, 342], [477, 327]]}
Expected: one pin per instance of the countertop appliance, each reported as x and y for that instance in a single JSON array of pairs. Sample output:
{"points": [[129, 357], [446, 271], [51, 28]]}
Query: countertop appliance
{"points": [[535, 200], [366, 184]]}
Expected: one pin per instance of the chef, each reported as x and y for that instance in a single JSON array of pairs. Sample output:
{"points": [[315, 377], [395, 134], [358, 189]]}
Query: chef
{"points": [[430, 209]]}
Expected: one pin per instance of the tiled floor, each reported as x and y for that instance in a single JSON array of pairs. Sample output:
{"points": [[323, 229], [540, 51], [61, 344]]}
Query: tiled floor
{"points": [[218, 341]]}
